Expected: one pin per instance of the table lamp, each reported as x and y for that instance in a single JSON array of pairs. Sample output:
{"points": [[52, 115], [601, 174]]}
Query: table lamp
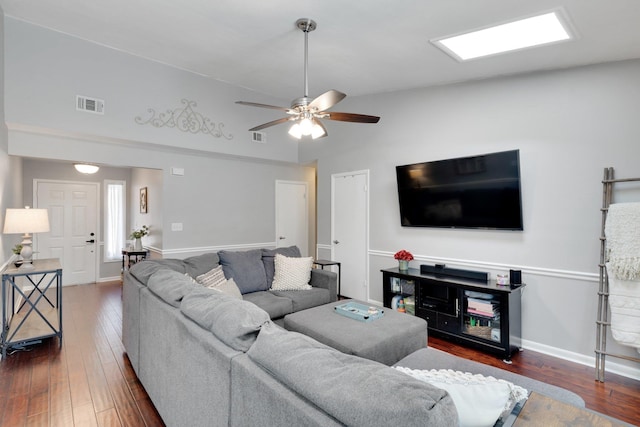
{"points": [[18, 221]]}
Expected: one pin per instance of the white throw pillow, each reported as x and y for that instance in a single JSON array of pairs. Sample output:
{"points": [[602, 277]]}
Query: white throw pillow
{"points": [[479, 400], [212, 278], [230, 288], [291, 274]]}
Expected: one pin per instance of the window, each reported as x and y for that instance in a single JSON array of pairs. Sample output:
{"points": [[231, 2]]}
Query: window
{"points": [[114, 220]]}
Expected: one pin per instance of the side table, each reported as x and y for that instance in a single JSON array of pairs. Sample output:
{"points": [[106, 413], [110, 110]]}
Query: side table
{"points": [[324, 262], [130, 257], [28, 314]]}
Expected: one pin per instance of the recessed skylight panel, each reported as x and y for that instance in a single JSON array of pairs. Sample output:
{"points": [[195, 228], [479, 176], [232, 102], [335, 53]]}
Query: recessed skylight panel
{"points": [[529, 32]]}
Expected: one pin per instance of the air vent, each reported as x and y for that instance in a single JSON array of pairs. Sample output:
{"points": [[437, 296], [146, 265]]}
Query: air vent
{"points": [[91, 105], [259, 137]]}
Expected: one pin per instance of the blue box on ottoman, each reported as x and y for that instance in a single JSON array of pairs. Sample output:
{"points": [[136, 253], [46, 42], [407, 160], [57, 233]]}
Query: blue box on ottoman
{"points": [[360, 312]]}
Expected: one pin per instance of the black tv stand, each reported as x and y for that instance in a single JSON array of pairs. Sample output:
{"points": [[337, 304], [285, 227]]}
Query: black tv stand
{"points": [[468, 310]]}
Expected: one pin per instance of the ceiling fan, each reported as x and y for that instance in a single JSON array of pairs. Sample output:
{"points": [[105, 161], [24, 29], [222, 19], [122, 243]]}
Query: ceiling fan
{"points": [[306, 113]]}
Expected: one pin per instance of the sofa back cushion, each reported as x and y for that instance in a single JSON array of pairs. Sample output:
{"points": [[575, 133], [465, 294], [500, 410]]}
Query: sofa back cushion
{"points": [[356, 391], [171, 286], [200, 264], [232, 321], [145, 269], [268, 259], [246, 269]]}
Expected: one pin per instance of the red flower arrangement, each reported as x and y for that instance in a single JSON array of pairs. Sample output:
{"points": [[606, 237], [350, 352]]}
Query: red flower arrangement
{"points": [[403, 256]]}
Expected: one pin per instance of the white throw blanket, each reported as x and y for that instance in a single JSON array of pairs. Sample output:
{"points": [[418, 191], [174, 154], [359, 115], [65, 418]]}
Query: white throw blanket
{"points": [[624, 301], [622, 231]]}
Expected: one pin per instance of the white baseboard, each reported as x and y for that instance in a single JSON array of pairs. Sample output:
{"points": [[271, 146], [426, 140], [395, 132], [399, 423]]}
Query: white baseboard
{"points": [[613, 367], [108, 279]]}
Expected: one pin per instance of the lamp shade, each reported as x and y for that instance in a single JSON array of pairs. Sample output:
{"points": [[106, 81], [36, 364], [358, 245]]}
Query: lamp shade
{"points": [[19, 221]]}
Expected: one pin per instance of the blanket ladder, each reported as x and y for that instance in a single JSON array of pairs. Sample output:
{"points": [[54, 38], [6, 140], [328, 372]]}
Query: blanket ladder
{"points": [[603, 320]]}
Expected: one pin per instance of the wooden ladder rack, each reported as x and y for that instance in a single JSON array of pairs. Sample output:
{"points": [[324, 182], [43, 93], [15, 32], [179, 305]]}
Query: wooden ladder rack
{"points": [[603, 290]]}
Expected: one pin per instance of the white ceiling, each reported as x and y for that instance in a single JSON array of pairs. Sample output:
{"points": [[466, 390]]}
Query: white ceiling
{"points": [[360, 47]]}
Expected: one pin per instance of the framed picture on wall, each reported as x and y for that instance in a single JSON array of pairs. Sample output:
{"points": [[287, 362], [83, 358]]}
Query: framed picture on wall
{"points": [[143, 200]]}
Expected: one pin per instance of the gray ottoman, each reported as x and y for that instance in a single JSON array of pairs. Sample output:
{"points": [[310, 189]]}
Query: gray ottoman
{"points": [[386, 340]]}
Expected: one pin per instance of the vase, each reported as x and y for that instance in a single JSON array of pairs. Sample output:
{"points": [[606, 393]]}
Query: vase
{"points": [[403, 265], [137, 244]]}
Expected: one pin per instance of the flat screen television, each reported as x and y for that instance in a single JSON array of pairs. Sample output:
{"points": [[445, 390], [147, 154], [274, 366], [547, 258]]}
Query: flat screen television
{"points": [[467, 192]]}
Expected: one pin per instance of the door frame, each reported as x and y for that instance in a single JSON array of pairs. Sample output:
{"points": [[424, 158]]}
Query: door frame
{"points": [[99, 242], [306, 209], [367, 208]]}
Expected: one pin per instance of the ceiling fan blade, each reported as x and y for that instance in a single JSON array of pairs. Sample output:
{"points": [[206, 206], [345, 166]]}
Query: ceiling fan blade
{"points": [[327, 100], [272, 123], [255, 104], [349, 117]]}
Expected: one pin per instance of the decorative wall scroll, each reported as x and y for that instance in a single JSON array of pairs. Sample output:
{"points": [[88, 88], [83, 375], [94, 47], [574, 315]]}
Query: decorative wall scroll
{"points": [[185, 119]]}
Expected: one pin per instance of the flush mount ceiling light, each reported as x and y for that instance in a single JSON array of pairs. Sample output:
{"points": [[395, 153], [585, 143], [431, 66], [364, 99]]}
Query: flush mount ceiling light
{"points": [[86, 168], [521, 34]]}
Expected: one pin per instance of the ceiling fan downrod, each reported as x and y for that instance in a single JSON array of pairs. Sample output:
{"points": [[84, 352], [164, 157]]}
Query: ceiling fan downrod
{"points": [[306, 25]]}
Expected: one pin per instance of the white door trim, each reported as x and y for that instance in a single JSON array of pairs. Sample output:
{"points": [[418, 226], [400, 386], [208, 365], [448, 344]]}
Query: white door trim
{"points": [[99, 242], [364, 172]]}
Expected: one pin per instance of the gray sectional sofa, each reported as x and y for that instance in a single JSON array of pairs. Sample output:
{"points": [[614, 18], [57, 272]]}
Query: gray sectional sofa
{"points": [[208, 359]]}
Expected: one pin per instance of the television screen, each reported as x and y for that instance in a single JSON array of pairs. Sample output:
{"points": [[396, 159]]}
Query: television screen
{"points": [[468, 192]]}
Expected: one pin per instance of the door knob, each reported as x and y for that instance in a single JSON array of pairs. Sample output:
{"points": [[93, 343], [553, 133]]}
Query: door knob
{"points": [[281, 237], [335, 242], [90, 241]]}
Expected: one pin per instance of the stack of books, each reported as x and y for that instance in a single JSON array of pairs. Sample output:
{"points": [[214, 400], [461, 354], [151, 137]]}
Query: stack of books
{"points": [[481, 307]]}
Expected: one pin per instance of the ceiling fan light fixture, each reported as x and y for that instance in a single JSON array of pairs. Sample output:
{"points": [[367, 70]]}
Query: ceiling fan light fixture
{"points": [[317, 131], [306, 126], [295, 131], [307, 113]]}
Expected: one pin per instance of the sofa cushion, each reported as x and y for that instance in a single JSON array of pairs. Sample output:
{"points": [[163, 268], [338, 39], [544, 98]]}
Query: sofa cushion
{"points": [[226, 286], [246, 268], [331, 379], [170, 285], [230, 288], [236, 323], [212, 278], [307, 299], [200, 264], [480, 400], [277, 306], [145, 269], [268, 259], [291, 273]]}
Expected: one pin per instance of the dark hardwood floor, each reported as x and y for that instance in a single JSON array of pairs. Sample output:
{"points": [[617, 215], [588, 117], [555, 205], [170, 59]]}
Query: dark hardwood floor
{"points": [[90, 382]]}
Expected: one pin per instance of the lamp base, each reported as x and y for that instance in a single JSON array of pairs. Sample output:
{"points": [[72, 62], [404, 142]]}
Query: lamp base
{"points": [[27, 250]]}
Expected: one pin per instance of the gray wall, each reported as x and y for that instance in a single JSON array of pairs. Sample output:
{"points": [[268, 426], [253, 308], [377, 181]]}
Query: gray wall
{"points": [[569, 125], [226, 197]]}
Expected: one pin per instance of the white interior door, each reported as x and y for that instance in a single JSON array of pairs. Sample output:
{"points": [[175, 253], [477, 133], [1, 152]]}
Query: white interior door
{"points": [[73, 217], [350, 231], [292, 215]]}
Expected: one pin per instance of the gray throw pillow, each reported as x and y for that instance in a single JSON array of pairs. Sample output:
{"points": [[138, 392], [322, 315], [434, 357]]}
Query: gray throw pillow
{"points": [[246, 269], [268, 259]]}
